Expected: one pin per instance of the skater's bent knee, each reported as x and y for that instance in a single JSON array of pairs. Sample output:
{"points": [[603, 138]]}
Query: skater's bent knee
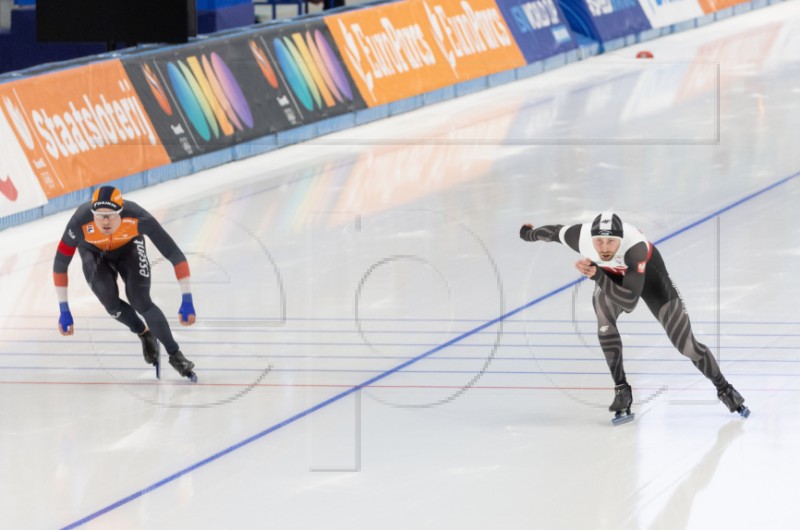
{"points": [[694, 354]]}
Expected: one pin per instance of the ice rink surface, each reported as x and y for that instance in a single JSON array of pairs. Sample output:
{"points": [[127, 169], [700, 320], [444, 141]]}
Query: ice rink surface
{"points": [[377, 348]]}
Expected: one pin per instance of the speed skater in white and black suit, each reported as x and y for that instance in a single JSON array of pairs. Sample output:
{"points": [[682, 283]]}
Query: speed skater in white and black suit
{"points": [[626, 267]]}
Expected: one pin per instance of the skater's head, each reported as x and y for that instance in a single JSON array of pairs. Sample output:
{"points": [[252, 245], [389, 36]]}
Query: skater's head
{"points": [[607, 224], [606, 234], [106, 207], [107, 197]]}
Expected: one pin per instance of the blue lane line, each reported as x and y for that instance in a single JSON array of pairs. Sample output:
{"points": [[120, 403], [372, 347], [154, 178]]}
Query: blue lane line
{"points": [[396, 369], [255, 329], [417, 372], [729, 207], [356, 345], [571, 333], [274, 330], [363, 357]]}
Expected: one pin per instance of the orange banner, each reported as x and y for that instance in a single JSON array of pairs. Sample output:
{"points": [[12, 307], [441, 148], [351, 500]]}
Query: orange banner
{"points": [[81, 127], [710, 6], [394, 51]]}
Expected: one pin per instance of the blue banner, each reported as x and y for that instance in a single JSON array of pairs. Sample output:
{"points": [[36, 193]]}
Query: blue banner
{"points": [[605, 20], [539, 27]]}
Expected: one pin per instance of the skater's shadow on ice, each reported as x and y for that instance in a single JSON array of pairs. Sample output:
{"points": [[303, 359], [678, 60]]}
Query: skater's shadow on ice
{"points": [[675, 514]]}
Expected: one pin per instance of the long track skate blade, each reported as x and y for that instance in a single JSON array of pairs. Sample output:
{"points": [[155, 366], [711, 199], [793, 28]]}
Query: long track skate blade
{"points": [[622, 419], [157, 366]]}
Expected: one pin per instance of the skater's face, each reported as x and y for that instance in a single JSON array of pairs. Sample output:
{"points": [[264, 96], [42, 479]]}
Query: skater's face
{"points": [[607, 247], [107, 220]]}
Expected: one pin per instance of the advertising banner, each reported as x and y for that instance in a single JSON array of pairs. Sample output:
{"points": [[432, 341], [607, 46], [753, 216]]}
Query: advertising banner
{"points": [[397, 50], [309, 67], [538, 26], [663, 13], [82, 126], [19, 187], [710, 6], [605, 20], [215, 94]]}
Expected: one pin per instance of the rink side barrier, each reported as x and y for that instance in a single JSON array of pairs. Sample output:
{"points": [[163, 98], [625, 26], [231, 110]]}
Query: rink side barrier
{"points": [[152, 114]]}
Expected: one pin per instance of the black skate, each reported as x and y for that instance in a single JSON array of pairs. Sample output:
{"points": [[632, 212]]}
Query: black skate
{"points": [[150, 350], [183, 366], [733, 400], [623, 398]]}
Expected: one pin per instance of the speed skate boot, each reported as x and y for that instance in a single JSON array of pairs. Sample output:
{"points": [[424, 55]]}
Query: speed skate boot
{"points": [[150, 350], [149, 347], [183, 365], [623, 398], [733, 400]]}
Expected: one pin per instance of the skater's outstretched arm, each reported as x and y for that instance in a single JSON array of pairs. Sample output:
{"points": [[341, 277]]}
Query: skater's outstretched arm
{"points": [[567, 235]]}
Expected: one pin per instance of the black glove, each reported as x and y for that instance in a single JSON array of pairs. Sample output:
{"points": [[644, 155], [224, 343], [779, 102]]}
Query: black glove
{"points": [[526, 232]]}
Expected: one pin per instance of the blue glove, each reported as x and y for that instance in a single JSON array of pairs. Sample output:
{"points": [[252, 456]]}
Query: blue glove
{"points": [[186, 312], [65, 323]]}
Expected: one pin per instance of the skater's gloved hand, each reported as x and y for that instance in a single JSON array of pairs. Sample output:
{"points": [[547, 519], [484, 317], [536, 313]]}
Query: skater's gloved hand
{"points": [[65, 323], [186, 312], [586, 267], [526, 231]]}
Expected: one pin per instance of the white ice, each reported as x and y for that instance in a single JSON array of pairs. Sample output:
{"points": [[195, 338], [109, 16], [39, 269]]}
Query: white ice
{"points": [[377, 348]]}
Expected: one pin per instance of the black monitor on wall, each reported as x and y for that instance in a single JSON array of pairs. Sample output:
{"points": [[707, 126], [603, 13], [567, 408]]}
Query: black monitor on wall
{"points": [[128, 21]]}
